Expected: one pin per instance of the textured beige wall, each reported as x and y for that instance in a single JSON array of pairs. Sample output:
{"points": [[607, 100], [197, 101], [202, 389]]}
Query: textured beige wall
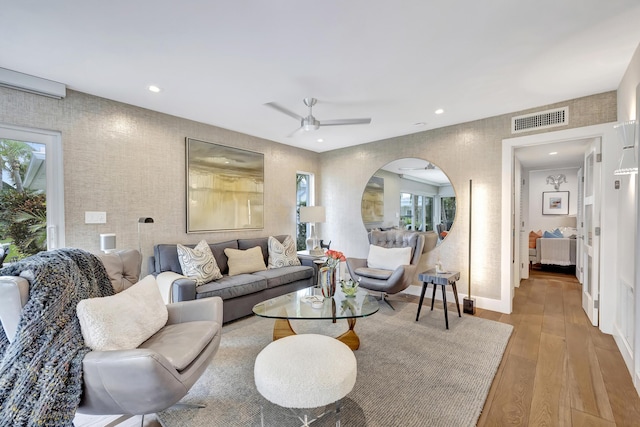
{"points": [[130, 162], [465, 151]]}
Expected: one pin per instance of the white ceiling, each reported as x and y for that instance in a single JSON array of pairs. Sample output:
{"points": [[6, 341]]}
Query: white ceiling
{"points": [[567, 154], [219, 62]]}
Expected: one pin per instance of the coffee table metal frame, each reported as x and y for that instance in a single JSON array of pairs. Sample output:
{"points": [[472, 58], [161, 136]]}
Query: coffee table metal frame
{"points": [[295, 305]]}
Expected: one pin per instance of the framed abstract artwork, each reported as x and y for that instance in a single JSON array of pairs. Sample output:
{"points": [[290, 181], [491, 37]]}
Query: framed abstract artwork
{"points": [[372, 207], [225, 187], [555, 203]]}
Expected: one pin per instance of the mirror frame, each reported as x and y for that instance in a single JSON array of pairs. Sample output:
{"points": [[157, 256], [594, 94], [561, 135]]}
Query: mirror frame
{"points": [[422, 172]]}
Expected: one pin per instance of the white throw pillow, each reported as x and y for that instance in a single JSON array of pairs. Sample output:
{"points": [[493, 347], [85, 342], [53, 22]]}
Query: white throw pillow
{"points": [[199, 263], [125, 320], [388, 258], [282, 254], [248, 261]]}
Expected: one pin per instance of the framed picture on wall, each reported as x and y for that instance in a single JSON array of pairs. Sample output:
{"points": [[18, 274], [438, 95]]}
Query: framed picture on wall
{"points": [[225, 188], [372, 206], [555, 203]]}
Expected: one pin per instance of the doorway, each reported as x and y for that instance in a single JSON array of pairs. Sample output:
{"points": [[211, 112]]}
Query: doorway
{"points": [[510, 235]]}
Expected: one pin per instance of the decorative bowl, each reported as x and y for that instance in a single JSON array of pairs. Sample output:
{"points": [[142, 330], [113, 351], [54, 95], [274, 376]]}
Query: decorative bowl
{"points": [[349, 287]]}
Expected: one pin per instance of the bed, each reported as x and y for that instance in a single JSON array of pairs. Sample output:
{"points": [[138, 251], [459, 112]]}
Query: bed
{"points": [[554, 251]]}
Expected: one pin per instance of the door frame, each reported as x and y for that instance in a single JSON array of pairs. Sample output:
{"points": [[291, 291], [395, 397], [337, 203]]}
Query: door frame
{"points": [[608, 201], [55, 176]]}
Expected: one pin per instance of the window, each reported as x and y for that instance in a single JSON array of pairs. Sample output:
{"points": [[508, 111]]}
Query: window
{"points": [[416, 212], [32, 181], [303, 198], [447, 211]]}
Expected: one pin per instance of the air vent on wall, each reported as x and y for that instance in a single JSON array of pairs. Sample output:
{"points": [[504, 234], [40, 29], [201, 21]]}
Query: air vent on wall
{"points": [[32, 84], [540, 120]]}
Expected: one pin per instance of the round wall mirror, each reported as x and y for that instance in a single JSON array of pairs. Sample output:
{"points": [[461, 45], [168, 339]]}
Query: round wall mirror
{"points": [[410, 194]]}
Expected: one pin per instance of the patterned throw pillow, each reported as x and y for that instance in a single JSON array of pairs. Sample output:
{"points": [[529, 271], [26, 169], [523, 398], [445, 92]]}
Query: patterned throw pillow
{"points": [[282, 254], [198, 263], [245, 261]]}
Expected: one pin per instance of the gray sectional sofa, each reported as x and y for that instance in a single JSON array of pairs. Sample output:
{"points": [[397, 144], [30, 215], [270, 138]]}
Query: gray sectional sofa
{"points": [[239, 293]]}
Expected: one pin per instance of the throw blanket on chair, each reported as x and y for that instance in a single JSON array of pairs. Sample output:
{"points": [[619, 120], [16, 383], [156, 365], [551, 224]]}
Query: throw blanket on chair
{"points": [[41, 370]]}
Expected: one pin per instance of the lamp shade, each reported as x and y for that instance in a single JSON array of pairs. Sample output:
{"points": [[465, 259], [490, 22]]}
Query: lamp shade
{"points": [[107, 242], [312, 214]]}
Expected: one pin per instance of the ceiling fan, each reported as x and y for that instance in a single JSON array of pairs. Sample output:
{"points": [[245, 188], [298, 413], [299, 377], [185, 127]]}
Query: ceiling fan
{"points": [[420, 168], [310, 123]]}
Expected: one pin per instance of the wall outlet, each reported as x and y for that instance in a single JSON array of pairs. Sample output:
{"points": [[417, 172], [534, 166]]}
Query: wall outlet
{"points": [[95, 217]]}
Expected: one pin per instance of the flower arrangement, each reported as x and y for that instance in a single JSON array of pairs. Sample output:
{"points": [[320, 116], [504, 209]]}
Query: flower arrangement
{"points": [[334, 258]]}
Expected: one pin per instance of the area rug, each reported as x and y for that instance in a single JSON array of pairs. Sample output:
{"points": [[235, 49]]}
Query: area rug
{"points": [[409, 373]]}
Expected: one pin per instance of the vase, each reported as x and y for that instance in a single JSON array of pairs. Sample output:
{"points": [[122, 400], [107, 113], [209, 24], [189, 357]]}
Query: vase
{"points": [[328, 281]]}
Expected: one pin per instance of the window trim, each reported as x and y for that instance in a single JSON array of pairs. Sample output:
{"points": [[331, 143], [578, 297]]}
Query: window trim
{"points": [[55, 176]]}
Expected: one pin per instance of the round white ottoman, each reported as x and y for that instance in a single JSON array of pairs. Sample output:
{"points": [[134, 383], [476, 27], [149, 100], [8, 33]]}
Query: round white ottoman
{"points": [[305, 371]]}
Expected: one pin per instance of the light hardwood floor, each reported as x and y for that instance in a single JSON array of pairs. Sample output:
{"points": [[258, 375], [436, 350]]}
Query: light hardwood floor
{"points": [[557, 370]]}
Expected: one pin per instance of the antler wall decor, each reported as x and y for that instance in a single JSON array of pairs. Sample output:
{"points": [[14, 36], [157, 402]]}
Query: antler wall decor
{"points": [[556, 180]]}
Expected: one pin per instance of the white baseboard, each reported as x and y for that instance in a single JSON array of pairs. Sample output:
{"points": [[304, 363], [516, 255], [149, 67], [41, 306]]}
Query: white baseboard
{"points": [[627, 356], [481, 302]]}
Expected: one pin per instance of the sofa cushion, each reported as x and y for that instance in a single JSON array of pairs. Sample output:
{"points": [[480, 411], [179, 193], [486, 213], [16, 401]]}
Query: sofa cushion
{"points": [[281, 276], [218, 254], [388, 258], [282, 254], [181, 343], [125, 320], [123, 268], [245, 261], [232, 286], [198, 263], [166, 256], [374, 273]]}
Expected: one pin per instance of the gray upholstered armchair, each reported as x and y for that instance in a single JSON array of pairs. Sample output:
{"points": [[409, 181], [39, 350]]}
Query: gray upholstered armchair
{"points": [[146, 379], [383, 280]]}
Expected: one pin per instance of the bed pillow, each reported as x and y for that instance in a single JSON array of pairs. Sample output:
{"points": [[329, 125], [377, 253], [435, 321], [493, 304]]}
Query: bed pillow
{"points": [[198, 263], [282, 254], [532, 238], [555, 234], [388, 258], [123, 321], [247, 261]]}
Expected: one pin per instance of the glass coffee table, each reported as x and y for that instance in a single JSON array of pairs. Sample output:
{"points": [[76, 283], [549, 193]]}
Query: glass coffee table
{"points": [[300, 305]]}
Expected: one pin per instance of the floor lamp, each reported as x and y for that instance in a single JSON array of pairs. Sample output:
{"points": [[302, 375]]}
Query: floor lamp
{"points": [[468, 303]]}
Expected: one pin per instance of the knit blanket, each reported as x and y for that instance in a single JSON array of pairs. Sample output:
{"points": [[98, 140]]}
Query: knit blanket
{"points": [[41, 370]]}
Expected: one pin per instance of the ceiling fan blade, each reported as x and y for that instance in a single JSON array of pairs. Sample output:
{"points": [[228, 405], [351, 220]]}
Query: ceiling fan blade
{"points": [[340, 122], [280, 108], [295, 132]]}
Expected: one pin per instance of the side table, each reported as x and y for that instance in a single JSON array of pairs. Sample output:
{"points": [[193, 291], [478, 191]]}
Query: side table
{"points": [[439, 279], [318, 261]]}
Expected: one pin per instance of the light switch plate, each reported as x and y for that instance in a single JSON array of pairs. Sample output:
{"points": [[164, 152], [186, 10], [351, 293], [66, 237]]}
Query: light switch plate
{"points": [[95, 217]]}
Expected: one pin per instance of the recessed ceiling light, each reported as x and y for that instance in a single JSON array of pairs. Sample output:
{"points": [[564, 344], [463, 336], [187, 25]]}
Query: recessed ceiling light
{"points": [[439, 111], [553, 153], [154, 89], [320, 140]]}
